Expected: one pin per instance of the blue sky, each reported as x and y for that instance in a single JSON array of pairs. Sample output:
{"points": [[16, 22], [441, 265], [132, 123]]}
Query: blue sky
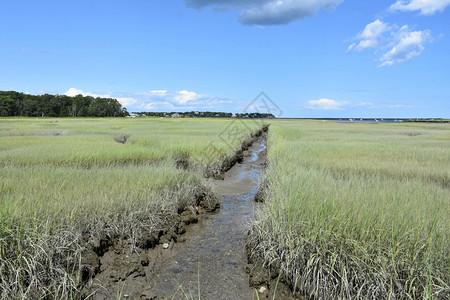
{"points": [[313, 58]]}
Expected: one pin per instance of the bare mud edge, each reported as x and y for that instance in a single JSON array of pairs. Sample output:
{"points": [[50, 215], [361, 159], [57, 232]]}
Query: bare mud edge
{"points": [[109, 264]]}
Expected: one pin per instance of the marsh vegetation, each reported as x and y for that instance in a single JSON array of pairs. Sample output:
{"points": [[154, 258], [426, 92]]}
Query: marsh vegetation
{"points": [[66, 198], [352, 211], [357, 211]]}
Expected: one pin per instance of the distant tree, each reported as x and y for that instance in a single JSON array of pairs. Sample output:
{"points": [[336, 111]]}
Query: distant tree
{"points": [[7, 106], [20, 104]]}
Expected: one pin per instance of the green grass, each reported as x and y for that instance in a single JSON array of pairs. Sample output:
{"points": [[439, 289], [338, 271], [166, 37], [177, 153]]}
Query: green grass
{"points": [[357, 210], [65, 186], [90, 142], [352, 210], [47, 213]]}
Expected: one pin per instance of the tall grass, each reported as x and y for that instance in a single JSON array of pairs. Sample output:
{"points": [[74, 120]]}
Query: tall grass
{"points": [[357, 211], [49, 216], [68, 190]]}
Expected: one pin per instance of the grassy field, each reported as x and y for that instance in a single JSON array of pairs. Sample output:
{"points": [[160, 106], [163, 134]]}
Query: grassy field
{"points": [[68, 185], [352, 210], [357, 211], [90, 142]]}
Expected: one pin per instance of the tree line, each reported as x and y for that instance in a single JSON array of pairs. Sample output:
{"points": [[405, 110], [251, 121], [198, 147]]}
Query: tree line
{"points": [[19, 104], [16, 104]]}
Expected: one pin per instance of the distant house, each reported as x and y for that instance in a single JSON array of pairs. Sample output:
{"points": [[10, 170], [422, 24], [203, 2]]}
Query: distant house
{"points": [[132, 115], [175, 115]]}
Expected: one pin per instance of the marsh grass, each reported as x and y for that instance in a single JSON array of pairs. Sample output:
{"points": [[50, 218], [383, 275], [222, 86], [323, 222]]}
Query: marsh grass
{"points": [[357, 211], [90, 142], [64, 196], [49, 215]]}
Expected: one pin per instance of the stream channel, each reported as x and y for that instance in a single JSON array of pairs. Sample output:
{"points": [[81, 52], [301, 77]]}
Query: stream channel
{"points": [[209, 260]]}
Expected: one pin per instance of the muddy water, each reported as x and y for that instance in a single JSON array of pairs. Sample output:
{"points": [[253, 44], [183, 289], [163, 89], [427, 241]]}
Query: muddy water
{"points": [[211, 260]]}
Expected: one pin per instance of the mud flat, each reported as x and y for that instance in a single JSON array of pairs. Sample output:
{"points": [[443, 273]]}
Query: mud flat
{"points": [[208, 259]]}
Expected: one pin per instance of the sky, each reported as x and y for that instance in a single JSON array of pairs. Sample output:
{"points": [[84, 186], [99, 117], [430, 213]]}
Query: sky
{"points": [[309, 58]]}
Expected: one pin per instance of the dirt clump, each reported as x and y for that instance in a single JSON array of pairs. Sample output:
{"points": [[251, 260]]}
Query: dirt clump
{"points": [[124, 266], [273, 285]]}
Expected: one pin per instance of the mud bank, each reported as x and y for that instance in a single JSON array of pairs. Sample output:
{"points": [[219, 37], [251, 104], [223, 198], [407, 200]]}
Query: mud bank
{"points": [[195, 244], [109, 260]]}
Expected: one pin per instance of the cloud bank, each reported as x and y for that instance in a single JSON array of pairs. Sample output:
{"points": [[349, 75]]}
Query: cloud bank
{"points": [[179, 101], [326, 104], [268, 12], [162, 100], [396, 44]]}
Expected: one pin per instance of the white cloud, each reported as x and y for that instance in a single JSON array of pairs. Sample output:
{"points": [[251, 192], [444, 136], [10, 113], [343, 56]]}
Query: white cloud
{"points": [[182, 100], [369, 104], [326, 104], [380, 106], [369, 37], [162, 100], [426, 7], [157, 105], [158, 92], [393, 44], [406, 45], [179, 97], [74, 92], [125, 101], [184, 96], [268, 12], [329, 104], [398, 106]]}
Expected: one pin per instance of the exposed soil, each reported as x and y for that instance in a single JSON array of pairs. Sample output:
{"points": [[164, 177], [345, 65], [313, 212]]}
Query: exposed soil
{"points": [[273, 285], [110, 264], [199, 252]]}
